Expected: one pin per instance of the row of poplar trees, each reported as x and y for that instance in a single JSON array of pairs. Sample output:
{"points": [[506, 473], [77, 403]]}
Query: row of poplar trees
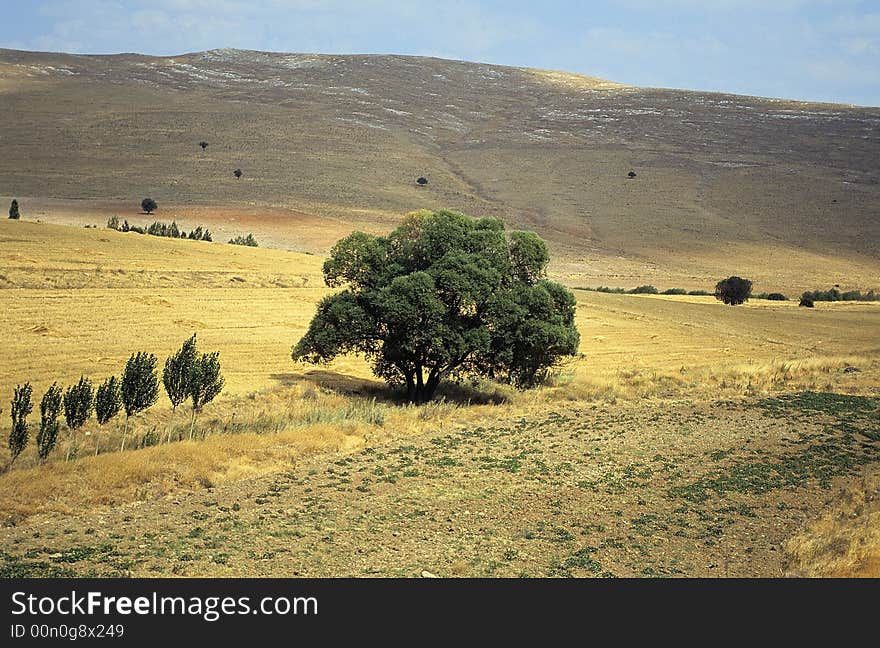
{"points": [[186, 375]]}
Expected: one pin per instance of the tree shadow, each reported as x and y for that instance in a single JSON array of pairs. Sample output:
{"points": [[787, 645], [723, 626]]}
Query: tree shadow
{"points": [[459, 393]]}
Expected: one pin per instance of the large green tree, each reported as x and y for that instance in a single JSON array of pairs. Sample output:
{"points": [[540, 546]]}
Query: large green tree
{"points": [[443, 296]]}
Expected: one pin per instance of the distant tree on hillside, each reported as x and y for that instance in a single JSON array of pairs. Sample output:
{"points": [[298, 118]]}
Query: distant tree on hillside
{"points": [[806, 302], [422, 181], [140, 386], [733, 290], [631, 174], [149, 205], [237, 173], [13, 210], [50, 408], [204, 145], [21, 407]]}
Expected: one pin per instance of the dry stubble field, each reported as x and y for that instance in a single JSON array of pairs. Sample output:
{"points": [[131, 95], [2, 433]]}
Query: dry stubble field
{"points": [[689, 439]]}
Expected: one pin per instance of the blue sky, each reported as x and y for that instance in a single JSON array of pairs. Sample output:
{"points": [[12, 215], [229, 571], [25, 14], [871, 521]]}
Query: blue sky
{"points": [[822, 50]]}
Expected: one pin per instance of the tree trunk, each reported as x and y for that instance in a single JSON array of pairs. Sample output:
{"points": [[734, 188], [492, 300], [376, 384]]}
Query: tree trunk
{"points": [[170, 424], [432, 384], [420, 385], [192, 424], [124, 432], [410, 386]]}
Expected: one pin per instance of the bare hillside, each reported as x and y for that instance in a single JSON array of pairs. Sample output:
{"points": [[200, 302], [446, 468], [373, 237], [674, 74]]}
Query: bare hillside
{"points": [[784, 192]]}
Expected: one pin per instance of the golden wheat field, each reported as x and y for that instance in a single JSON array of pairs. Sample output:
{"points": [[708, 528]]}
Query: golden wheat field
{"points": [[78, 301]]}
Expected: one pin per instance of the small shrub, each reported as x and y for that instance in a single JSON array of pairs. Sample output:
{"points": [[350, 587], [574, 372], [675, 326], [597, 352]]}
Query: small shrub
{"points": [[674, 291], [806, 302], [237, 173], [643, 290], [13, 210], [113, 222], [163, 229], [248, 240], [149, 439], [834, 294]]}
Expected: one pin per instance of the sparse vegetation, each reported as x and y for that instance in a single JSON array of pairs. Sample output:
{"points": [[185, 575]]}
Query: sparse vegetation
{"points": [[14, 214], [113, 222], [771, 296], [199, 234], [248, 240], [733, 290], [834, 295], [644, 290], [158, 228]]}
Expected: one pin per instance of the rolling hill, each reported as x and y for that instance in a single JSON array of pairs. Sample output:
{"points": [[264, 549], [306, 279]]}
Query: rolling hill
{"points": [[785, 193]]}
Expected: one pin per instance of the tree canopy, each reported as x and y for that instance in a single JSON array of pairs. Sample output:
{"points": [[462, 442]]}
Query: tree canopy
{"points": [[443, 296], [149, 205], [733, 290]]}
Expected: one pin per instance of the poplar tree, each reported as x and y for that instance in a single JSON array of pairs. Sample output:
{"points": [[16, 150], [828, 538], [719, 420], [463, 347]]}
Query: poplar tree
{"points": [[50, 408], [176, 376], [140, 386]]}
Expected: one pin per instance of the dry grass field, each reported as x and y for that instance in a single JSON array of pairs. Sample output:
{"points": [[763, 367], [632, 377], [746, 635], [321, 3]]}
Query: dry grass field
{"points": [[679, 378]]}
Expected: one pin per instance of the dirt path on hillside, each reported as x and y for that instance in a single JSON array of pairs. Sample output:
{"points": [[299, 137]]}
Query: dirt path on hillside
{"points": [[663, 490]]}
